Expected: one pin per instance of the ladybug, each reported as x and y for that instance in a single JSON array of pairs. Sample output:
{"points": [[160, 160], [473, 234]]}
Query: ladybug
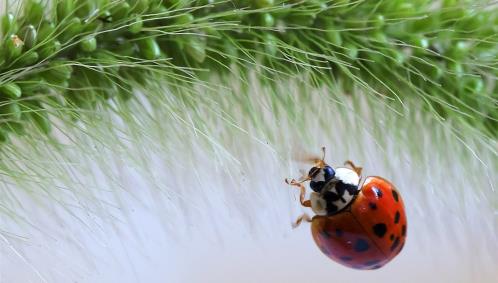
{"points": [[359, 225]]}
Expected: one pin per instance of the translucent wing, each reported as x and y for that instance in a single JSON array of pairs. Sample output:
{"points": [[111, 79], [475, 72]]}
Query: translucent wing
{"points": [[309, 158]]}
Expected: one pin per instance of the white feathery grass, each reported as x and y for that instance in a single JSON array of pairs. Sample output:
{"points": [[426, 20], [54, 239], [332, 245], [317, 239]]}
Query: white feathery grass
{"points": [[155, 192]]}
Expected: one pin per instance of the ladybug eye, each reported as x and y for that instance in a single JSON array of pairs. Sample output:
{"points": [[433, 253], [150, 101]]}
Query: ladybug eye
{"points": [[313, 172], [328, 172]]}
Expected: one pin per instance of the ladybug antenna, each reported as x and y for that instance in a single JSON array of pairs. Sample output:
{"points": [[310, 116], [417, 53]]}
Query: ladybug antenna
{"points": [[321, 162]]}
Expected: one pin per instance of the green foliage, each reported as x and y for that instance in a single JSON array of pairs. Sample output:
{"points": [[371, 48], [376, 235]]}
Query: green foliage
{"points": [[81, 53]]}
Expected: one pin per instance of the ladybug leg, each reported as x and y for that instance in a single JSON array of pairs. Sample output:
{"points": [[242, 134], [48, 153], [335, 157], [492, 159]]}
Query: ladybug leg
{"points": [[305, 203], [300, 219], [354, 167]]}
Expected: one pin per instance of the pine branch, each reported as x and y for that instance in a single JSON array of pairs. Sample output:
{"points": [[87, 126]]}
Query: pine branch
{"points": [[63, 58]]}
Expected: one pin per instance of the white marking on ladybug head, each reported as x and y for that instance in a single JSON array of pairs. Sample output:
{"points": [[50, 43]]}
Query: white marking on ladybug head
{"points": [[320, 176], [347, 176]]}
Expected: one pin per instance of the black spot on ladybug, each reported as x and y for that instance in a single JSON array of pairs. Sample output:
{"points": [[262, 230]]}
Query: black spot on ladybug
{"points": [[325, 234], [377, 266], [395, 244], [361, 245], [403, 230], [395, 195], [338, 232], [377, 192], [391, 237], [379, 229], [373, 206], [396, 217], [371, 262], [346, 258]]}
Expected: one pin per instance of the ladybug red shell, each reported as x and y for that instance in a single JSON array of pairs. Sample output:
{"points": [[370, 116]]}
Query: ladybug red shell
{"points": [[362, 227], [369, 233]]}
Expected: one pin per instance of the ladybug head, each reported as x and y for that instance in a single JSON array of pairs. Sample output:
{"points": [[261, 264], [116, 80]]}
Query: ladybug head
{"points": [[319, 176]]}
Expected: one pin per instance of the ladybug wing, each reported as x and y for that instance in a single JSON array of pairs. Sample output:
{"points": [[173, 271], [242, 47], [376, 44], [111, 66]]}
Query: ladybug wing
{"points": [[344, 240], [380, 210]]}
